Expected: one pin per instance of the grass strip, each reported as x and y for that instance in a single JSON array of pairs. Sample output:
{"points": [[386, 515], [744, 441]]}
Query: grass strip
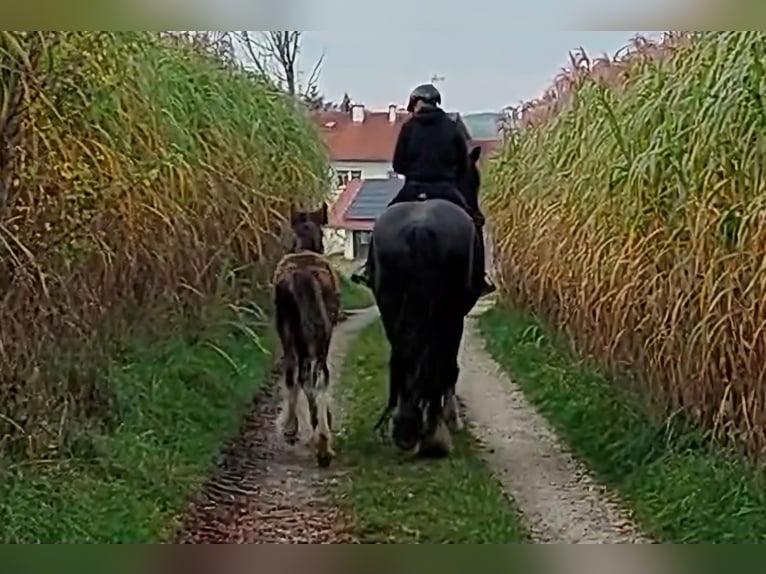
{"points": [[353, 296], [395, 500], [176, 403]]}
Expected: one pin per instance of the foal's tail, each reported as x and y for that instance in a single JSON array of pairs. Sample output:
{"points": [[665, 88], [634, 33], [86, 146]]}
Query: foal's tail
{"points": [[312, 312]]}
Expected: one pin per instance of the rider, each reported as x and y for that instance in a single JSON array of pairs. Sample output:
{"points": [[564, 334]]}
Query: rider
{"points": [[432, 154]]}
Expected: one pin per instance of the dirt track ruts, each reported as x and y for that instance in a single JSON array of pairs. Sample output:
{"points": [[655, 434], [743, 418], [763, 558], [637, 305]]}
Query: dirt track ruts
{"points": [[560, 501], [265, 492]]}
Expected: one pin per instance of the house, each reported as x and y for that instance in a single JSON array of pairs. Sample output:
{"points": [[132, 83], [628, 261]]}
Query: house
{"points": [[361, 146], [357, 208]]}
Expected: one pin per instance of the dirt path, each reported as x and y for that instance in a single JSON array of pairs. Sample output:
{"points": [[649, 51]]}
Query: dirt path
{"points": [[561, 503], [266, 492]]}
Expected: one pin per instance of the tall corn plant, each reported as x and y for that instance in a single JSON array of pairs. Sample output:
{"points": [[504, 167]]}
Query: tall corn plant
{"points": [[633, 218]]}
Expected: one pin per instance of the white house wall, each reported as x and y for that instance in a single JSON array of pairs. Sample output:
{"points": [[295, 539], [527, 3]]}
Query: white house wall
{"points": [[334, 239], [340, 240], [369, 169]]}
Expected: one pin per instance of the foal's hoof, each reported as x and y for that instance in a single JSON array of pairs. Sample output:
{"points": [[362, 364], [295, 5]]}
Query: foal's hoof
{"points": [[324, 460], [324, 453], [291, 437]]}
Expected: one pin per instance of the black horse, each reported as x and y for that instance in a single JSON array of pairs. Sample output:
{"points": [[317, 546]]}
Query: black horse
{"points": [[423, 278]]}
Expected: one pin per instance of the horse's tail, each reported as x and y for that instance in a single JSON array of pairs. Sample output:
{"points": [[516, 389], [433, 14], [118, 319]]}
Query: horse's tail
{"points": [[312, 312], [421, 301], [423, 247]]}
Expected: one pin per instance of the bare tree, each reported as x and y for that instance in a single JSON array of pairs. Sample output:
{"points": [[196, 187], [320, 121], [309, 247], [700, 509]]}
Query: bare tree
{"points": [[276, 55]]}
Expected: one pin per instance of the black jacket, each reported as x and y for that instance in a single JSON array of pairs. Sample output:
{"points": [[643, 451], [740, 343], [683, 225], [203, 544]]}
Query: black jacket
{"points": [[431, 148]]}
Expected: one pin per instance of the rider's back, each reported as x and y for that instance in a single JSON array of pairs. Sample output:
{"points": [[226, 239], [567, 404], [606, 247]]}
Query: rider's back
{"points": [[431, 148]]}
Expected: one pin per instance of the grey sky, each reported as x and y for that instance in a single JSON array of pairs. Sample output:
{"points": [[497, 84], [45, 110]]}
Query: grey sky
{"points": [[492, 61]]}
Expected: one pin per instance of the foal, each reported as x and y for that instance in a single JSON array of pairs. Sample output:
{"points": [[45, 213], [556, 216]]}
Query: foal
{"points": [[307, 300]]}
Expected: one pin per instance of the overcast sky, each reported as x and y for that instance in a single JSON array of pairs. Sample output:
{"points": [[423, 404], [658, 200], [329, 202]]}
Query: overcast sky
{"points": [[485, 68]]}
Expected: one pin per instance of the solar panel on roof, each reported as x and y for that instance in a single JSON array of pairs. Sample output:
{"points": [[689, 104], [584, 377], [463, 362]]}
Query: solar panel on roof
{"points": [[372, 198]]}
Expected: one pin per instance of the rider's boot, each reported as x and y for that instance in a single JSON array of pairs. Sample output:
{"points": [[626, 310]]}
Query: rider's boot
{"points": [[487, 286], [362, 276]]}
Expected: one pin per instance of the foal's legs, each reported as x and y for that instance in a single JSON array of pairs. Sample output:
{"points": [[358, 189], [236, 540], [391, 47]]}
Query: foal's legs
{"points": [[290, 429], [284, 312], [322, 434]]}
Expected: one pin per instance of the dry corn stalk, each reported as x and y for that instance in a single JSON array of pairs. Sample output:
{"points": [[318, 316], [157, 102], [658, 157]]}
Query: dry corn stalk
{"points": [[629, 209]]}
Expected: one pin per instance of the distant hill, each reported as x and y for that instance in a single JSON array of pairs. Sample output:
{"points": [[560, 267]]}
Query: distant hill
{"points": [[483, 125]]}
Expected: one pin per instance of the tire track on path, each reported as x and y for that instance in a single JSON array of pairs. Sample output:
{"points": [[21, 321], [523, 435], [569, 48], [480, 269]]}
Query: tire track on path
{"points": [[264, 491], [559, 499]]}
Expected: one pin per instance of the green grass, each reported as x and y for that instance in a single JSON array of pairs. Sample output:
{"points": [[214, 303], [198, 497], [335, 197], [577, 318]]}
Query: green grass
{"points": [[396, 500], [176, 403], [682, 488], [353, 296]]}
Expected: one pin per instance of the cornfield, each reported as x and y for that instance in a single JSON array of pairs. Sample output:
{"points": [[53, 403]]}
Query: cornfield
{"points": [[629, 210], [143, 182]]}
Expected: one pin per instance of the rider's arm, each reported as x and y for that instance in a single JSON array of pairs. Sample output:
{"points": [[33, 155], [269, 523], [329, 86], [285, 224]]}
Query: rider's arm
{"points": [[399, 163]]}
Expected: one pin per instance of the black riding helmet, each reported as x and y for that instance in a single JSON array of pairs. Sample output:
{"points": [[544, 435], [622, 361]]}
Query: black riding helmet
{"points": [[426, 93]]}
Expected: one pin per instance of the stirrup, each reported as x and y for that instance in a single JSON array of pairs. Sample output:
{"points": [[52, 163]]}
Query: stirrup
{"points": [[487, 287], [361, 278]]}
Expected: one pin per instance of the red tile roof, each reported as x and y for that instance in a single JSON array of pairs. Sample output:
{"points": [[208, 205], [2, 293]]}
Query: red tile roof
{"points": [[373, 139]]}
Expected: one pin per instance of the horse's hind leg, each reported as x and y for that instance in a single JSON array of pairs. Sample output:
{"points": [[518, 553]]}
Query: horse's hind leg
{"points": [[395, 376], [322, 433], [451, 410], [437, 441], [451, 407]]}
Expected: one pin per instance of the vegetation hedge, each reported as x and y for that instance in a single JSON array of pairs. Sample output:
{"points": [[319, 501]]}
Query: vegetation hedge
{"points": [[628, 209], [144, 184]]}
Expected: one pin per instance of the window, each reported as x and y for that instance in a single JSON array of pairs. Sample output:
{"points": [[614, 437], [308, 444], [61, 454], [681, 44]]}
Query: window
{"points": [[364, 237], [346, 175]]}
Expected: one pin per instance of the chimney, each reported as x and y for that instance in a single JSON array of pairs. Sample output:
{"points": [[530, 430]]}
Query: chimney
{"points": [[357, 113], [392, 113]]}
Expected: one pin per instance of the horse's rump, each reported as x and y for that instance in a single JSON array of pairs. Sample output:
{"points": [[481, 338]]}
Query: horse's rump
{"points": [[427, 246]]}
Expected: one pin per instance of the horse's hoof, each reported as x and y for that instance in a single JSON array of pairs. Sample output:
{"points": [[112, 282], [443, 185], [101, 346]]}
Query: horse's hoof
{"points": [[434, 449], [439, 445]]}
